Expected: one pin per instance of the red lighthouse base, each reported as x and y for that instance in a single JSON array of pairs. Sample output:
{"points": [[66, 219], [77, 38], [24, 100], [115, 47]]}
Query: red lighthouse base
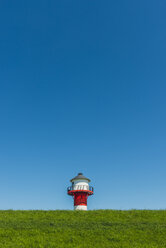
{"points": [[80, 198]]}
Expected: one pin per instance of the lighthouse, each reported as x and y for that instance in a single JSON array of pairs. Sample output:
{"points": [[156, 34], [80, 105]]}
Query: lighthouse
{"points": [[80, 190]]}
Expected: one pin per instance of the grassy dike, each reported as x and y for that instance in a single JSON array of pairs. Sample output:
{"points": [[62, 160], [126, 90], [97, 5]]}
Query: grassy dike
{"points": [[79, 229]]}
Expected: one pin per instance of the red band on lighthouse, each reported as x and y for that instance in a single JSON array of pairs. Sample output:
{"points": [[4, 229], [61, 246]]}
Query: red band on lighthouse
{"points": [[80, 198]]}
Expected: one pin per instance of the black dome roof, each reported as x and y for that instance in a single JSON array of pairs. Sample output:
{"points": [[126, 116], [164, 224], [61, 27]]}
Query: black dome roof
{"points": [[80, 176]]}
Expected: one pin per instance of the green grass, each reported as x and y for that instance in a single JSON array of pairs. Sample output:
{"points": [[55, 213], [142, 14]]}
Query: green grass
{"points": [[79, 229]]}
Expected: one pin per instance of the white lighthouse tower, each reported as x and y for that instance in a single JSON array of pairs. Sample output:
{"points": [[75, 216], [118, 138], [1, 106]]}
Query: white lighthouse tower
{"points": [[80, 190]]}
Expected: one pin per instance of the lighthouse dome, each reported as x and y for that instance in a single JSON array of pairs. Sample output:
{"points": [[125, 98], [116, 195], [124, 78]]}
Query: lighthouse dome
{"points": [[80, 176]]}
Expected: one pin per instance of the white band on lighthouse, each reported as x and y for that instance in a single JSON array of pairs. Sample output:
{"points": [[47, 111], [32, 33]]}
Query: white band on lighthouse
{"points": [[80, 207]]}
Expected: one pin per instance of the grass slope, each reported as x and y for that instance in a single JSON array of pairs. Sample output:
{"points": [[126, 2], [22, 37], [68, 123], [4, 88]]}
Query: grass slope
{"points": [[76, 229]]}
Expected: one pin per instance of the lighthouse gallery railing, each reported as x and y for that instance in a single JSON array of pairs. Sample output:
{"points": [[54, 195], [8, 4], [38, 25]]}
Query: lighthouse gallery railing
{"points": [[80, 187]]}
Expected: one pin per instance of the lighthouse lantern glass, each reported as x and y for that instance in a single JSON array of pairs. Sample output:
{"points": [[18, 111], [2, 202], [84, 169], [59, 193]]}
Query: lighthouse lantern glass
{"points": [[81, 184]]}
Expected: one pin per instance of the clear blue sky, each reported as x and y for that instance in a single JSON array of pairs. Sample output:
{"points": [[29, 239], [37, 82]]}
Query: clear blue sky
{"points": [[82, 89]]}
